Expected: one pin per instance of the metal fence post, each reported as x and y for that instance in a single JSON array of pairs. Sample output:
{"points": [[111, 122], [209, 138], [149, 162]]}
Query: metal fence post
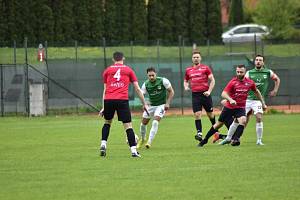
{"points": [[2, 92], [27, 103], [181, 71], [76, 51], [15, 52], [131, 51], [104, 51], [46, 50], [255, 51], [157, 52]]}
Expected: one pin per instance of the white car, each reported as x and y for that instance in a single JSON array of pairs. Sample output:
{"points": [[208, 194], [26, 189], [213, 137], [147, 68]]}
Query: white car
{"points": [[245, 33]]}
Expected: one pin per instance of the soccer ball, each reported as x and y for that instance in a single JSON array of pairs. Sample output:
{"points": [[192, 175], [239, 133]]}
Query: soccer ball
{"points": [[136, 139]]}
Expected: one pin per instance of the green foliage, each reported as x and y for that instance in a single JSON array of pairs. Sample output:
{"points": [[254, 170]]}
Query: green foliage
{"points": [[96, 18], [213, 22], [81, 19], [197, 20], [57, 157], [236, 15], [138, 20], [155, 19], [278, 15]]}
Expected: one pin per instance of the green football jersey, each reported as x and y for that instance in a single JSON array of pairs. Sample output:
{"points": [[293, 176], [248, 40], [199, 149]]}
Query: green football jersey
{"points": [[261, 78], [156, 90]]}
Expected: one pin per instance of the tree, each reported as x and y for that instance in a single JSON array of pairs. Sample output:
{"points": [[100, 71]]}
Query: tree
{"points": [[81, 21], [180, 19], [278, 15], [213, 20], [155, 19], [197, 19], [96, 27], [138, 20], [236, 14]]}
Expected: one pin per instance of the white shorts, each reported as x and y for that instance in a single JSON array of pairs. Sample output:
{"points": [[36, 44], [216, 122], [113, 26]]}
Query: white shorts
{"points": [[254, 105], [155, 111]]}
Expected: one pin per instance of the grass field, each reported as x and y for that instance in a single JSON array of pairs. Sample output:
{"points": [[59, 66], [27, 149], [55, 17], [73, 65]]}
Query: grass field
{"points": [[57, 158]]}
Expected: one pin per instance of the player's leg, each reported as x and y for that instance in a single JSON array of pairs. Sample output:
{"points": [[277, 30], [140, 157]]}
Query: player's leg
{"points": [[211, 132], [124, 115], [258, 112], [158, 115], [240, 115], [197, 110], [143, 126], [108, 115]]}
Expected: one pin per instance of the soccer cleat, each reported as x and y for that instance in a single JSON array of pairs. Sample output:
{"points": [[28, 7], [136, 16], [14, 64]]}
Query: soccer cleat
{"points": [[259, 142], [198, 137], [102, 151], [202, 143], [140, 143], [136, 155], [235, 143], [216, 137], [148, 146], [223, 142]]}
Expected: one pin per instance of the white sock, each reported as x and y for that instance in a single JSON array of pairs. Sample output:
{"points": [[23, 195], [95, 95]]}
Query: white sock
{"points": [[231, 130], [143, 129], [153, 131], [133, 149], [103, 143], [259, 130]]}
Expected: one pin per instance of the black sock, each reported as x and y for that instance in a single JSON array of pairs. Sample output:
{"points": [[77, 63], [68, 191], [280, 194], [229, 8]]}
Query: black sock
{"points": [[228, 122], [130, 137], [239, 132], [210, 133], [105, 131], [222, 136], [212, 120], [198, 125]]}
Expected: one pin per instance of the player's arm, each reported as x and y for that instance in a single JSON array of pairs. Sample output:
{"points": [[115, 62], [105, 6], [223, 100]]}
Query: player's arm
{"points": [[276, 80], [140, 95], [212, 83], [104, 89], [225, 95], [169, 98], [259, 96], [186, 85]]}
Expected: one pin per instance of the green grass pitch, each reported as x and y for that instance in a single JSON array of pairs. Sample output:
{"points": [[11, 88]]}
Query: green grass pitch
{"points": [[57, 158]]}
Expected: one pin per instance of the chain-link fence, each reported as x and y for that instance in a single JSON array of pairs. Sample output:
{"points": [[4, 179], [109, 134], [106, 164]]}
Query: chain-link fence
{"points": [[71, 77]]}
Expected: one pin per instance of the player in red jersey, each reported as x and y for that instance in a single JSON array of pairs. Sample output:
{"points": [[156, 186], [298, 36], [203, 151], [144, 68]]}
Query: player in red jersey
{"points": [[117, 78], [201, 80], [235, 93]]}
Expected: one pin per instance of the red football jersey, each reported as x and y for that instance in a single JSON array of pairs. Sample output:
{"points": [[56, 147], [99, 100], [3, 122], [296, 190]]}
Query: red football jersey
{"points": [[238, 91], [117, 78], [198, 77]]}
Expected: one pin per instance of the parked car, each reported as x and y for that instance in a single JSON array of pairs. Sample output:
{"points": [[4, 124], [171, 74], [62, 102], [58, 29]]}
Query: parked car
{"points": [[245, 33]]}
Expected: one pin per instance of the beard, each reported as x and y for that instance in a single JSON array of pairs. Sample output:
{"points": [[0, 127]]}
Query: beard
{"points": [[240, 77]]}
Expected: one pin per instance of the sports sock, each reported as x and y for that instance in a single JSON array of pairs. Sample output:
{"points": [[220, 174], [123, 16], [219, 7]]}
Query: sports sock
{"points": [[212, 120], [103, 143], [232, 130], [210, 133], [143, 129], [153, 131], [130, 137], [198, 125], [259, 130], [239, 132], [105, 131]]}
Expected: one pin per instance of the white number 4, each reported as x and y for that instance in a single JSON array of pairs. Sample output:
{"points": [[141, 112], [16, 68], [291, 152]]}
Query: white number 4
{"points": [[118, 75]]}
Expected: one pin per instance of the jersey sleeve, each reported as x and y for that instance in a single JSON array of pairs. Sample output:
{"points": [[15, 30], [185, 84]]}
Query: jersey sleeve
{"points": [[186, 76], [166, 83], [143, 88], [104, 75], [208, 71], [228, 87], [247, 74], [132, 76], [272, 75], [253, 86]]}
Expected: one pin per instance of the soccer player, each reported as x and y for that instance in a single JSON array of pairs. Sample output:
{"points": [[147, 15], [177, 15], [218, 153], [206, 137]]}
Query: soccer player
{"points": [[235, 92], [160, 93], [117, 78], [201, 80], [261, 76]]}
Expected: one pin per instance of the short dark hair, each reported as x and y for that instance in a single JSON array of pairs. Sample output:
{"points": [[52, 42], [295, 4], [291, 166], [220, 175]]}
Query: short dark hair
{"points": [[151, 69], [241, 66], [258, 55], [118, 56], [196, 51]]}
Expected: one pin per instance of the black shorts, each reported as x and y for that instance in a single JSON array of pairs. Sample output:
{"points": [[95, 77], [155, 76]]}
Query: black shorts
{"points": [[199, 100], [122, 108], [227, 114]]}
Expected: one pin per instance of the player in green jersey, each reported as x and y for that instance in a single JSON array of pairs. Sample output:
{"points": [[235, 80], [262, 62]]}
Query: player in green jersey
{"points": [[261, 76], [160, 93]]}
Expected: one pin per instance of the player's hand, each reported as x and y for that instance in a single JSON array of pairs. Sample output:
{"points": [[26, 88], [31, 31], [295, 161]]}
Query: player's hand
{"points": [[273, 93], [232, 102], [223, 102], [146, 108], [167, 106], [186, 88], [101, 112], [264, 106], [206, 93]]}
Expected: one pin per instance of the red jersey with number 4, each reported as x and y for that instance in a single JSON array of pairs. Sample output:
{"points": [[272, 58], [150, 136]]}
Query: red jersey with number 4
{"points": [[238, 91], [198, 77], [117, 78]]}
